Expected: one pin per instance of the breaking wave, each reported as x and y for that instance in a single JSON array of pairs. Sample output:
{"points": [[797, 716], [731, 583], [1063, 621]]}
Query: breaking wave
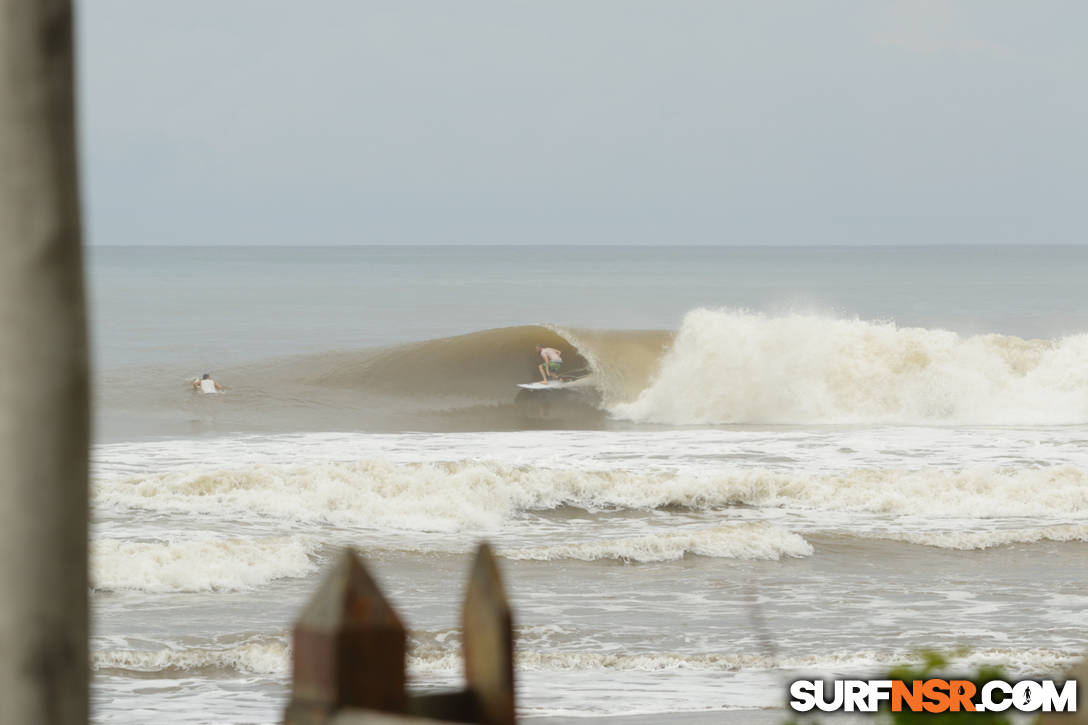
{"points": [[476, 496], [735, 541], [721, 367], [739, 367], [199, 565], [261, 655], [977, 540], [731, 366]]}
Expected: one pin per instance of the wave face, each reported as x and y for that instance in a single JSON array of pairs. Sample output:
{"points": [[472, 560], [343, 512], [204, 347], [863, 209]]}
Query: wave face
{"points": [[486, 365], [737, 367], [466, 382]]}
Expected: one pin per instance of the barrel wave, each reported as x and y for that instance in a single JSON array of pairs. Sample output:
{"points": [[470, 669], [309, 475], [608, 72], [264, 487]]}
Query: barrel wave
{"points": [[486, 365], [721, 367]]}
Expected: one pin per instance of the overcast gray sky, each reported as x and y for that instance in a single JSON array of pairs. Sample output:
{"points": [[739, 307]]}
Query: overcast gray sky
{"points": [[584, 121]]}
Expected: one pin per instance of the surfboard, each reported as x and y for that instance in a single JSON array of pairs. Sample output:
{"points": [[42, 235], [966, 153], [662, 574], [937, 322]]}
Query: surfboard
{"points": [[550, 385]]}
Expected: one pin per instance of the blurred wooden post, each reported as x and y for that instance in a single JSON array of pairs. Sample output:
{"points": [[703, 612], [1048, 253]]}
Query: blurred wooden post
{"points": [[349, 649], [488, 641], [43, 374]]}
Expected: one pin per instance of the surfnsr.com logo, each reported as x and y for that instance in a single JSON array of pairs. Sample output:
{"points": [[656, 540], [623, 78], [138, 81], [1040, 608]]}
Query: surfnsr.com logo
{"points": [[933, 695]]}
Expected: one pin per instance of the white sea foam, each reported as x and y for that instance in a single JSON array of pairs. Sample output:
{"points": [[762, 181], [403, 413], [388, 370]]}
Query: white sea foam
{"points": [[196, 565], [812, 450], [261, 655], [738, 367], [1023, 662], [483, 496], [271, 656], [425, 497], [987, 539], [732, 541]]}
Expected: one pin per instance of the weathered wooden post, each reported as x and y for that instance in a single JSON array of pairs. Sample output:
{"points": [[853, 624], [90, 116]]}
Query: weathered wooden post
{"points": [[488, 641], [349, 649], [43, 385]]}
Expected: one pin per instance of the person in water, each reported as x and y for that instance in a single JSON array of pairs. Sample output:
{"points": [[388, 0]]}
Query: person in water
{"points": [[206, 384], [552, 362]]}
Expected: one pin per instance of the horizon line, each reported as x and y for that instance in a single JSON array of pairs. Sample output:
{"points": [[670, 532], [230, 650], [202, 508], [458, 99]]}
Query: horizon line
{"points": [[521, 245]]}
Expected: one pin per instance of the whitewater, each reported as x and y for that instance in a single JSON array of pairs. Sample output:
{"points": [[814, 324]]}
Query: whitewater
{"points": [[778, 462], [736, 367]]}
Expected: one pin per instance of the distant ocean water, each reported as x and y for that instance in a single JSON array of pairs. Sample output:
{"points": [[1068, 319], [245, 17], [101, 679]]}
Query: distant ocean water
{"points": [[782, 460]]}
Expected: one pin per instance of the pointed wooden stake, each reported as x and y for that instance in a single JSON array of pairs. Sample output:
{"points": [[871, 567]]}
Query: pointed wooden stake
{"points": [[349, 648], [489, 641]]}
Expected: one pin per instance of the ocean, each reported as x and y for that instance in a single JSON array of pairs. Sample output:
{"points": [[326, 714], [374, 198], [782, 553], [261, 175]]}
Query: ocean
{"points": [[780, 461]]}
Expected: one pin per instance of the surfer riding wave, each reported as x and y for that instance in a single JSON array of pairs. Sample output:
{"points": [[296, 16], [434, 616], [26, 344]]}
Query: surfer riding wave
{"points": [[553, 361]]}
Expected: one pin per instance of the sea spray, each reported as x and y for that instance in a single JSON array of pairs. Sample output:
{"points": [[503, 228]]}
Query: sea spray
{"points": [[728, 366]]}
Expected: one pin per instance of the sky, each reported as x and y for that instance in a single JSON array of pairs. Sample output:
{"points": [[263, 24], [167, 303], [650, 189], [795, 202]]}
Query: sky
{"points": [[583, 121]]}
